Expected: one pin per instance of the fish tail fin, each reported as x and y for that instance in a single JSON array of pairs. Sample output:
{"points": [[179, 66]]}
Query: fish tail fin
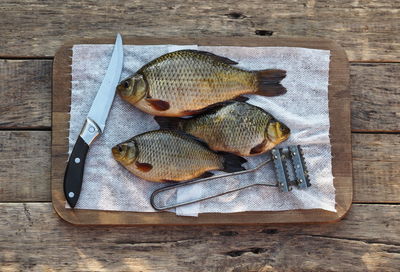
{"points": [[168, 122], [232, 163], [268, 82]]}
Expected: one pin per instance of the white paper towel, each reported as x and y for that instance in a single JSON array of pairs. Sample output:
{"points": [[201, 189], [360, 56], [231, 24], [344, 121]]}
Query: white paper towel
{"points": [[304, 109]]}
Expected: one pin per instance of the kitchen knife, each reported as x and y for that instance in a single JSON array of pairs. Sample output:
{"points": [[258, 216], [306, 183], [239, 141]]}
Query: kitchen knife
{"points": [[94, 125]]}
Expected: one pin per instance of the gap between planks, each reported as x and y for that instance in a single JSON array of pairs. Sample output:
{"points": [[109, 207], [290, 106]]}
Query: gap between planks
{"points": [[3, 57]]}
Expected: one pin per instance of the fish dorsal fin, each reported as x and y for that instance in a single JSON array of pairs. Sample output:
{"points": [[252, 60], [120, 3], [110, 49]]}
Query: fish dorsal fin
{"points": [[191, 137], [210, 109], [216, 57], [168, 122], [241, 99], [219, 105], [213, 107]]}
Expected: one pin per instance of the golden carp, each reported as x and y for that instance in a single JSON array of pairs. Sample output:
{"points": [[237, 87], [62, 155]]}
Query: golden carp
{"points": [[185, 82], [233, 126], [166, 155]]}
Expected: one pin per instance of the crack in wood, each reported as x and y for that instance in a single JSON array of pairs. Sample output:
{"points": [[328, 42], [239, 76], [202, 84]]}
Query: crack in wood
{"points": [[235, 15], [392, 251], [270, 231], [228, 233], [254, 250], [8, 128], [264, 32], [367, 241], [152, 243], [375, 203], [28, 214]]}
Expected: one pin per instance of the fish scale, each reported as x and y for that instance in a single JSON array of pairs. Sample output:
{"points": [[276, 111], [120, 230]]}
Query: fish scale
{"points": [[191, 82], [167, 155], [171, 155], [227, 130], [233, 126], [186, 82]]}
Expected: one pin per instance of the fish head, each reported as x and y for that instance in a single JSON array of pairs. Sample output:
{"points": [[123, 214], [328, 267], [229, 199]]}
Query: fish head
{"points": [[133, 88], [126, 153], [277, 132]]}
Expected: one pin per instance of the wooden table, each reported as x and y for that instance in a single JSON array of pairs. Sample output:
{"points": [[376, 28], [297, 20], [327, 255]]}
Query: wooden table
{"points": [[33, 238]]}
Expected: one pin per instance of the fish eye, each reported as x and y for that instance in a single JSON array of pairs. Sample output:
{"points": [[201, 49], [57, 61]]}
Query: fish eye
{"points": [[119, 148], [126, 84]]}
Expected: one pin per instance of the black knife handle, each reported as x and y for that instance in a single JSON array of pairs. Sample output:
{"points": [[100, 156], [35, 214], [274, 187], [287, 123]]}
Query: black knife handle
{"points": [[74, 173]]}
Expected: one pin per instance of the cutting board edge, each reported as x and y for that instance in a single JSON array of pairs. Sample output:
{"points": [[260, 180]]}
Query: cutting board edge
{"points": [[62, 83]]}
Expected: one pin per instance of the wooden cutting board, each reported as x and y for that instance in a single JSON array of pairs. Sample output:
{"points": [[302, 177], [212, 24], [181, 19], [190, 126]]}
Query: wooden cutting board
{"points": [[339, 110]]}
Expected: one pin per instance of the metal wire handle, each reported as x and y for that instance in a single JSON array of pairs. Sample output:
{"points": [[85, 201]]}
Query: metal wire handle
{"points": [[175, 186]]}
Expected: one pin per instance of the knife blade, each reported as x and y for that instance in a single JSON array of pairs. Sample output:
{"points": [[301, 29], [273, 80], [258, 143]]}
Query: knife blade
{"points": [[94, 125]]}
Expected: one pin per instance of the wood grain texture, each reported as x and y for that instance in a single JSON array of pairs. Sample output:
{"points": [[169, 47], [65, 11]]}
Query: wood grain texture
{"points": [[25, 165], [367, 172], [375, 167], [33, 238], [37, 240], [25, 93], [376, 164], [375, 89], [368, 30], [339, 108]]}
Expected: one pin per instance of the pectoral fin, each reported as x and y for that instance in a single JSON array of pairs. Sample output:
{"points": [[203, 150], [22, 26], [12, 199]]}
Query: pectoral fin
{"points": [[259, 148], [144, 167], [157, 104]]}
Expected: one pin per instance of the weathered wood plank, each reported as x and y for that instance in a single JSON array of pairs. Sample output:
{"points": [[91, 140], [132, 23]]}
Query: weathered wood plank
{"points": [[374, 88], [376, 96], [35, 239], [367, 29], [25, 165], [25, 88], [376, 171]]}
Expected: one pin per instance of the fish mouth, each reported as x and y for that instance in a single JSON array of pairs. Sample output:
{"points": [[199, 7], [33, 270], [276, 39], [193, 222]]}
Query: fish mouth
{"points": [[117, 152]]}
